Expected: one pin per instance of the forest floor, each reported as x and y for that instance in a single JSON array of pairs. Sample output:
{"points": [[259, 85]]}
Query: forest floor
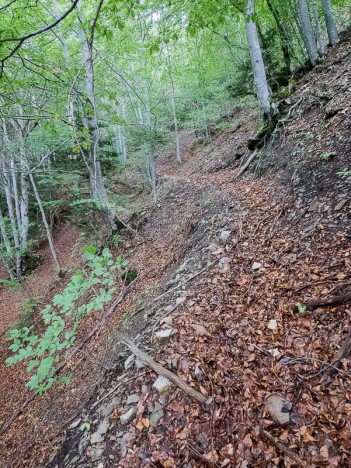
{"points": [[222, 263]]}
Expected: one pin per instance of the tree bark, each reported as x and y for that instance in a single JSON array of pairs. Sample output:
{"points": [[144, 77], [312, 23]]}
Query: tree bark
{"points": [[307, 32], [284, 39], [329, 19], [260, 78]]}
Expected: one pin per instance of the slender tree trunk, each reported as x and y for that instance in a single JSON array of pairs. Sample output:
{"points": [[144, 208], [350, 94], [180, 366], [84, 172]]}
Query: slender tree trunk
{"points": [[175, 121], [307, 32], [261, 84], [45, 221], [284, 39], [7, 247], [24, 200], [97, 183], [329, 19], [149, 147], [318, 29]]}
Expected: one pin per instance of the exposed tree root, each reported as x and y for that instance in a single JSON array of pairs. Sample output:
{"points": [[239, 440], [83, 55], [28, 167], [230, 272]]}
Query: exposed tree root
{"points": [[330, 301], [283, 448]]}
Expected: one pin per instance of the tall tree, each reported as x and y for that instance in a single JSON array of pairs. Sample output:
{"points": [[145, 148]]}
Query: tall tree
{"points": [[329, 19]]}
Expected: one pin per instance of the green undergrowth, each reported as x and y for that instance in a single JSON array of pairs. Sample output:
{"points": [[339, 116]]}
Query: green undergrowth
{"points": [[62, 318]]}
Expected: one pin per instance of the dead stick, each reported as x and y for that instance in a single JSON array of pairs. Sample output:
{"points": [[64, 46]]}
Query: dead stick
{"points": [[344, 353], [146, 359], [283, 448], [334, 300]]}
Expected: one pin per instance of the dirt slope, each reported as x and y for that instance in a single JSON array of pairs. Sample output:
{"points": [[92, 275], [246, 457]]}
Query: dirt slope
{"points": [[267, 243]]}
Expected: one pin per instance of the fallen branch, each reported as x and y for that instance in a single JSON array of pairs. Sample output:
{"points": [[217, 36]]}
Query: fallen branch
{"points": [[334, 300], [283, 448], [344, 353], [146, 359], [247, 164]]}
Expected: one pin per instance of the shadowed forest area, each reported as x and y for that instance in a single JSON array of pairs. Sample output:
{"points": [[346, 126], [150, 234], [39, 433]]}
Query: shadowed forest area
{"points": [[175, 263]]}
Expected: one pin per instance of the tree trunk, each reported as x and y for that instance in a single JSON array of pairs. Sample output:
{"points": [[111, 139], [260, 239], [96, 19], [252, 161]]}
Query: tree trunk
{"points": [[175, 121], [261, 84], [46, 224], [307, 32], [149, 146], [284, 39], [329, 19], [97, 183]]}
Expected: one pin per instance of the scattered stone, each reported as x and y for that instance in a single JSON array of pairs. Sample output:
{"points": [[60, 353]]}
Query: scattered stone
{"points": [[167, 321], [96, 453], [128, 416], [256, 265], [162, 400], [274, 406], [129, 362], [133, 399], [200, 330], [168, 308], [139, 364], [155, 417], [75, 424], [162, 384], [100, 465], [165, 334], [144, 389], [98, 436], [272, 324], [225, 235], [224, 263], [213, 247], [74, 460], [183, 266], [198, 373], [180, 300], [173, 361], [106, 410]]}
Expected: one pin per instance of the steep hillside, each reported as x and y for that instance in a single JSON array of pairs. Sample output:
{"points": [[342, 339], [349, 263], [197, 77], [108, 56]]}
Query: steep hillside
{"points": [[222, 264]]}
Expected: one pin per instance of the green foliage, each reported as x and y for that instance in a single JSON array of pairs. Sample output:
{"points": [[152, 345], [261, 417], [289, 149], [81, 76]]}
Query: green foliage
{"points": [[62, 318], [301, 308]]}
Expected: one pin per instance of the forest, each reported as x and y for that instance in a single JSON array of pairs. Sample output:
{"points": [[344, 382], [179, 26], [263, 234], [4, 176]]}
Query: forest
{"points": [[175, 271]]}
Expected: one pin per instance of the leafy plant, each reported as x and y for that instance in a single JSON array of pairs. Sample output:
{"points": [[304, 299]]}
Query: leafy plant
{"points": [[301, 308], [327, 156], [62, 319]]}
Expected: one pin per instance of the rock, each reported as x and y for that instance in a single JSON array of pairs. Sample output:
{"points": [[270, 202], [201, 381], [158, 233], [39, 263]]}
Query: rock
{"points": [[165, 334], [272, 324], [129, 362], [106, 410], [98, 436], [198, 373], [100, 465], [139, 364], [274, 406], [75, 424], [256, 265], [200, 330], [224, 236], [168, 308], [224, 263], [155, 417], [167, 321], [144, 389], [183, 266], [180, 300], [213, 247], [133, 399], [162, 384], [96, 453], [128, 416]]}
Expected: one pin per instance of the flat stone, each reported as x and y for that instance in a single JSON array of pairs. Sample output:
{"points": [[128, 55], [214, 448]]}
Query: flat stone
{"points": [[224, 236], [129, 362], [144, 389], [162, 384], [139, 364], [129, 415], [213, 247], [256, 265], [98, 435], [165, 334], [155, 417], [180, 300], [274, 406], [75, 424], [167, 321], [168, 308], [133, 399], [96, 453]]}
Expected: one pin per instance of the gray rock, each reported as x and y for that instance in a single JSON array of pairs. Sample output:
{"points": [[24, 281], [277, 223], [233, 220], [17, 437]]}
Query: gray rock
{"points": [[256, 265], [139, 364], [225, 235], [96, 453], [133, 399], [129, 415], [129, 362], [155, 417], [224, 263], [75, 424], [180, 300], [274, 406], [144, 389], [98, 436], [165, 334], [162, 384], [106, 410]]}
